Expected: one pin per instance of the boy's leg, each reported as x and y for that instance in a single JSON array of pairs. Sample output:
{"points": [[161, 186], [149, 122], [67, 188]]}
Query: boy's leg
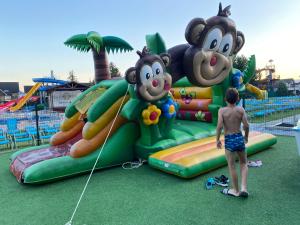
{"points": [[244, 169], [230, 156]]}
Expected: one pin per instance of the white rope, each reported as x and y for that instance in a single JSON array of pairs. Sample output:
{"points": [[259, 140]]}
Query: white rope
{"points": [[88, 180], [133, 165]]}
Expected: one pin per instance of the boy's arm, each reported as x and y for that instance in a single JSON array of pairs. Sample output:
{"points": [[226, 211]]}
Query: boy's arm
{"points": [[245, 125], [219, 125]]}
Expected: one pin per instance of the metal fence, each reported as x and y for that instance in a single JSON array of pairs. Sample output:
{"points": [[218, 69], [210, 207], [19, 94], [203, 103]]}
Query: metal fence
{"points": [[276, 115], [27, 128]]}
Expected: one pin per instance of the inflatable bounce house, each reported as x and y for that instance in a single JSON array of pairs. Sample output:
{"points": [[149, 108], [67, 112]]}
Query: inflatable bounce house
{"points": [[164, 111]]}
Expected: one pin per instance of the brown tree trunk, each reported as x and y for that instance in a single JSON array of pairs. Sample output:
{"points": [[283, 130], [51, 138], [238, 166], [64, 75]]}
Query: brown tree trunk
{"points": [[101, 66]]}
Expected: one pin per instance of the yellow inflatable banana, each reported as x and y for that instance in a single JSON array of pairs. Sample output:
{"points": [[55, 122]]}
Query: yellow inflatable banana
{"points": [[260, 94], [91, 129], [69, 123]]}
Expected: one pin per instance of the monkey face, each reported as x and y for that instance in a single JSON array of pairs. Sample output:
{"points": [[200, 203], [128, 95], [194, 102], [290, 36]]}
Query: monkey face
{"points": [[211, 67], [208, 59], [211, 63], [155, 82], [149, 75]]}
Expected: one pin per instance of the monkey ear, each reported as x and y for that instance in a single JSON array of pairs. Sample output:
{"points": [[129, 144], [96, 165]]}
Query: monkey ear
{"points": [[194, 30], [166, 58], [240, 41], [130, 75]]}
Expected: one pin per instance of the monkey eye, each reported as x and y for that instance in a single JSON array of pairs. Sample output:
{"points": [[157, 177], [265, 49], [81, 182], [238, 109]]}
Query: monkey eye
{"points": [[157, 68], [213, 44], [226, 45], [213, 39], [146, 74]]}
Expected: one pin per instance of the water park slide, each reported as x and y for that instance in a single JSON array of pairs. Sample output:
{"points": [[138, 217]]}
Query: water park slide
{"points": [[7, 105], [22, 102], [48, 80]]}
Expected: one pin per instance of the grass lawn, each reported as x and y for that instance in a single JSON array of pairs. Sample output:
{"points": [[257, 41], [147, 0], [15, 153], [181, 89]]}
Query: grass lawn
{"points": [[146, 196]]}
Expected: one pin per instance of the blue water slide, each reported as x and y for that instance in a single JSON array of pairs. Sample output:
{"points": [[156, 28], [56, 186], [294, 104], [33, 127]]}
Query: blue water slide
{"points": [[49, 80], [52, 81]]}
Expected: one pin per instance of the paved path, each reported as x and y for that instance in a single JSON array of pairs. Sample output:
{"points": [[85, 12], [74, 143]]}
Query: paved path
{"points": [[268, 127]]}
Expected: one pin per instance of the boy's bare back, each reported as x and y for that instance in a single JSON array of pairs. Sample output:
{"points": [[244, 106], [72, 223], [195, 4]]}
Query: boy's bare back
{"points": [[232, 117]]}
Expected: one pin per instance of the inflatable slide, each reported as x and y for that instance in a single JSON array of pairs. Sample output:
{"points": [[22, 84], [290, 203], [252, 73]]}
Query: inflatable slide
{"points": [[64, 155], [74, 149]]}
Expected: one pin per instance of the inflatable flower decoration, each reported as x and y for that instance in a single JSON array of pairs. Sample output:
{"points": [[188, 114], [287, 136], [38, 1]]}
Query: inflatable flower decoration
{"points": [[200, 116], [151, 115], [169, 108], [187, 96]]}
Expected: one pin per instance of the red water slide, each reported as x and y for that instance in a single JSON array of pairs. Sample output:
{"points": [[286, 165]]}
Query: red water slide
{"points": [[7, 105], [4, 107]]}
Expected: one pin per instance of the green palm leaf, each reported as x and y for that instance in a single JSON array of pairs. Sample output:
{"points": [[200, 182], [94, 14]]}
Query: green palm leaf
{"points": [[155, 43], [250, 70], [78, 42], [115, 44], [95, 40]]}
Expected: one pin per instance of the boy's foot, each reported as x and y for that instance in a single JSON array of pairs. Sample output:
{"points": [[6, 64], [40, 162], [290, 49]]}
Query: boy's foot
{"points": [[244, 194], [230, 192]]}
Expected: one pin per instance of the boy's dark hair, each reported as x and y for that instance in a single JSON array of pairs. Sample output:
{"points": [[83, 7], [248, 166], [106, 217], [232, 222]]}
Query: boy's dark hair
{"points": [[232, 95]]}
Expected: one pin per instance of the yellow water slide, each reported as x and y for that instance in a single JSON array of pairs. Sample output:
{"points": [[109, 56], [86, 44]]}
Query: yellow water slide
{"points": [[22, 102]]}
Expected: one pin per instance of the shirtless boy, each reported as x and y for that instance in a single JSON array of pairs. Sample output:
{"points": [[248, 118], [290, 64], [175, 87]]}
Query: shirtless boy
{"points": [[230, 118]]}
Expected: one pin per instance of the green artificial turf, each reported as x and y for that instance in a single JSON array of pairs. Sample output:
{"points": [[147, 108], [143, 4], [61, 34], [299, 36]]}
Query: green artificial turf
{"points": [[148, 196]]}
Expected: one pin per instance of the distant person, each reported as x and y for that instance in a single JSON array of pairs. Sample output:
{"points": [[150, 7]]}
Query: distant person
{"points": [[231, 118]]}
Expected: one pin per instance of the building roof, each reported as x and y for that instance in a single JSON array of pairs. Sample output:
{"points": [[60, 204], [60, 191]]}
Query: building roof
{"points": [[10, 87], [27, 88], [287, 80], [70, 86]]}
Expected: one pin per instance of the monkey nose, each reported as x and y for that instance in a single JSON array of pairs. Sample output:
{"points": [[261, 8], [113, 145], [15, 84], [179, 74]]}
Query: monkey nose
{"points": [[154, 83], [213, 60]]}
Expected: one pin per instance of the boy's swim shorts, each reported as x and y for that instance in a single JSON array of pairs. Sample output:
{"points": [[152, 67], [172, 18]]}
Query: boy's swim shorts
{"points": [[234, 142]]}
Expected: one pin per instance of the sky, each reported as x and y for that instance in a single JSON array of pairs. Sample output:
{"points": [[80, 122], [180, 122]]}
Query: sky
{"points": [[32, 32]]}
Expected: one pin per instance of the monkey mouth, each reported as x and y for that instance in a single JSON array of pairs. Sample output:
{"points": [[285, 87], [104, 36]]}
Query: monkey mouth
{"points": [[222, 70], [167, 86], [212, 76], [208, 71]]}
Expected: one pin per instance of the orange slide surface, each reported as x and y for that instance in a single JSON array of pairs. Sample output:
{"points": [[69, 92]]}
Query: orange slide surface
{"points": [[85, 147], [63, 136]]}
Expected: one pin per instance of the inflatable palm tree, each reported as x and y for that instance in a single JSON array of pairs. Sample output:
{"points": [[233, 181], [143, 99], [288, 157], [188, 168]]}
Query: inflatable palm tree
{"points": [[99, 46]]}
